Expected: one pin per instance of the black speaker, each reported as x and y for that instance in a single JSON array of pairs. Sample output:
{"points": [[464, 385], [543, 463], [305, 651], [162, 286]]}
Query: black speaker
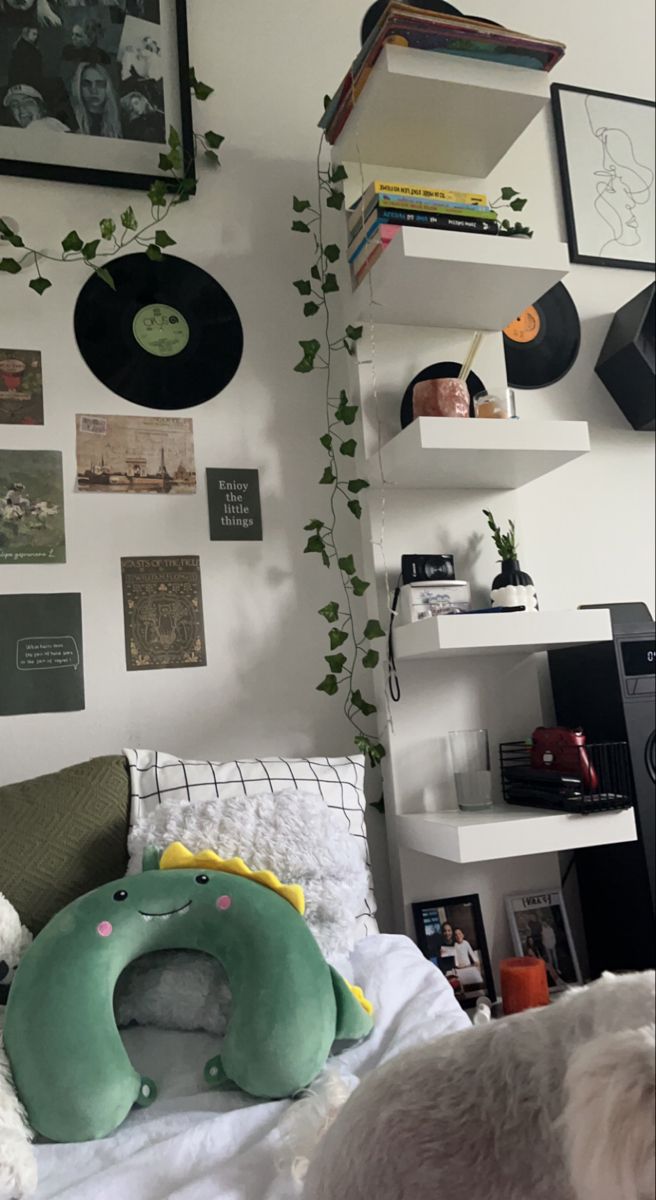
{"points": [[608, 688], [627, 362]]}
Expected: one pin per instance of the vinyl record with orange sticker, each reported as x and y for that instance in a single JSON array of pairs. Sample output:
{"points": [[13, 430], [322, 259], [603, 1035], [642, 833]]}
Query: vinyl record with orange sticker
{"points": [[542, 343]]}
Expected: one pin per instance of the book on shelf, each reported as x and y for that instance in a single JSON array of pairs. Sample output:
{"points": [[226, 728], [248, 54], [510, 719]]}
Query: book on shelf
{"points": [[358, 221], [386, 216], [420, 29], [418, 192], [372, 252]]}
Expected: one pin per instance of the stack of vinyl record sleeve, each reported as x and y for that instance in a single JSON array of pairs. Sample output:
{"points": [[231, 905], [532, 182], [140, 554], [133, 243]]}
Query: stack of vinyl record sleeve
{"points": [[378, 215]]}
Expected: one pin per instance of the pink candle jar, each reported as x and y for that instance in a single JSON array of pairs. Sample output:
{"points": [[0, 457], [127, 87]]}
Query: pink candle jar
{"points": [[440, 398]]}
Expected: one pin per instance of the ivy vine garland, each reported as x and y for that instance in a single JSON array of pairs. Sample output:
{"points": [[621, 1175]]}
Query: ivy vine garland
{"points": [[115, 235], [351, 643]]}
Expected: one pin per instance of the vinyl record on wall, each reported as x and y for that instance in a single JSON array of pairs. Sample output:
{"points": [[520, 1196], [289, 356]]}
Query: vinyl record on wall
{"points": [[169, 336], [542, 343]]}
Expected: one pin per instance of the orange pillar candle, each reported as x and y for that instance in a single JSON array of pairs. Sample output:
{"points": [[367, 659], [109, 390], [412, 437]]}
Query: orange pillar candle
{"points": [[524, 984]]}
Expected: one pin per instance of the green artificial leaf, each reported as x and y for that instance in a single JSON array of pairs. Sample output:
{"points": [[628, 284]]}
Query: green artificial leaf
{"points": [[330, 611], [163, 240], [107, 229], [214, 140], [355, 507], [303, 286], [174, 139], [315, 523], [349, 448], [325, 559], [518, 205], [106, 277], [354, 332], [300, 227], [357, 485], [338, 174], [326, 101], [332, 252], [315, 545], [326, 441], [379, 805], [72, 242], [185, 188], [310, 350], [301, 205], [201, 90], [212, 157], [166, 162], [371, 659], [507, 193], [336, 662], [10, 266], [315, 272], [154, 254], [346, 564], [373, 629], [375, 752], [330, 283], [128, 219], [345, 412], [505, 224], [335, 199], [358, 701], [90, 249], [157, 194], [328, 685], [310, 308], [328, 476], [350, 350], [40, 285], [337, 638], [8, 234], [359, 585]]}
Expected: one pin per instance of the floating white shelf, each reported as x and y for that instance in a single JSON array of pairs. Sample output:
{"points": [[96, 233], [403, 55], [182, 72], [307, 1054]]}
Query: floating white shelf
{"points": [[457, 280], [447, 452], [509, 832], [503, 633], [436, 112]]}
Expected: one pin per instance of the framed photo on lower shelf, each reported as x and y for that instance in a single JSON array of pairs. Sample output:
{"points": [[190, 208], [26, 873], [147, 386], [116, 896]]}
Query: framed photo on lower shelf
{"points": [[540, 929], [450, 933]]}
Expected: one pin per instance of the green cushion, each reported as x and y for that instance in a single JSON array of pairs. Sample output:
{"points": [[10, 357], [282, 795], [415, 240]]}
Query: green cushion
{"points": [[69, 1065], [62, 835]]}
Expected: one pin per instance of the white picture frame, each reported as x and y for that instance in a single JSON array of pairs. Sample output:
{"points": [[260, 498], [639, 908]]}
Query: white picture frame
{"points": [[540, 928]]}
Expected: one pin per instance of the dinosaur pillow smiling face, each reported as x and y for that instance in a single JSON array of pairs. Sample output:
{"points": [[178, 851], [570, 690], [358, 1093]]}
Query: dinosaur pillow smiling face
{"points": [[69, 1064]]}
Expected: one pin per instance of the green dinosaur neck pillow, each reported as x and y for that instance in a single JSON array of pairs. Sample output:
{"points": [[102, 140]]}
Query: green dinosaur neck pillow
{"points": [[69, 1064]]}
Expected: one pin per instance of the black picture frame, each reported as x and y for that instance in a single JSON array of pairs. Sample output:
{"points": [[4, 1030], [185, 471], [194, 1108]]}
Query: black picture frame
{"points": [[134, 180], [466, 910], [576, 253]]}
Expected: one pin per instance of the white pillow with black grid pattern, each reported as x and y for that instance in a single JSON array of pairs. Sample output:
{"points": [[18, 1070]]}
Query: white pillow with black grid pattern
{"points": [[156, 777]]}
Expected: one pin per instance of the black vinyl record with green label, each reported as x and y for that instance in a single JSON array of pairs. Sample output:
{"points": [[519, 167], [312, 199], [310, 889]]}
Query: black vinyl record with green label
{"points": [[168, 337]]}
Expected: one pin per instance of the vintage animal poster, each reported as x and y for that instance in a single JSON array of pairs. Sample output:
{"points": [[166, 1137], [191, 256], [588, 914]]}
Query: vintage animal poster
{"points": [[31, 507], [21, 387], [135, 454], [163, 611], [41, 658]]}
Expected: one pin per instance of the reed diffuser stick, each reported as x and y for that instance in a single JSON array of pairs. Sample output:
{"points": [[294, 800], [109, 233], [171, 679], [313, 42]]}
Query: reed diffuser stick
{"points": [[471, 355]]}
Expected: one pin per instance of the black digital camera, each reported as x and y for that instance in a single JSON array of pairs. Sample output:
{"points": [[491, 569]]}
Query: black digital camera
{"points": [[427, 568]]}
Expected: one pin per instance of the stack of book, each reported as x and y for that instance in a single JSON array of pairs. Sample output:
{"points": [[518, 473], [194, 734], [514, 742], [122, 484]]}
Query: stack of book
{"points": [[375, 219], [420, 29]]}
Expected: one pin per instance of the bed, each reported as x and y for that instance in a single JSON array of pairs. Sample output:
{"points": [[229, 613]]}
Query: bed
{"points": [[194, 1143]]}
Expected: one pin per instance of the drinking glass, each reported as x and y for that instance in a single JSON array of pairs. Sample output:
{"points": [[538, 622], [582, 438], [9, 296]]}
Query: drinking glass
{"points": [[470, 755], [498, 404]]}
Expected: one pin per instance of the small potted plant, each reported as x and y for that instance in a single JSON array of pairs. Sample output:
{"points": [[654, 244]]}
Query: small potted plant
{"points": [[513, 587]]}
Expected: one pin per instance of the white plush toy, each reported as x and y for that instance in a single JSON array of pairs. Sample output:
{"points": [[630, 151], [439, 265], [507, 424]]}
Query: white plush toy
{"points": [[18, 1174]]}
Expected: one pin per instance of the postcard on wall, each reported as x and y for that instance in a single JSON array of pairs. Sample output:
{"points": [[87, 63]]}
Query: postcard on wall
{"points": [[31, 507], [41, 659], [234, 501], [163, 612], [135, 454], [21, 387]]}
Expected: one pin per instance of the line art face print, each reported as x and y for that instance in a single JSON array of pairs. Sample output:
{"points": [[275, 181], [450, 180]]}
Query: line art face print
{"points": [[623, 183]]}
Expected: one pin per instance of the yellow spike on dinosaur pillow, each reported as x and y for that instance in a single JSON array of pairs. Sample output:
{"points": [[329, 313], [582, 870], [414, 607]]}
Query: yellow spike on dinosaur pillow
{"points": [[176, 856]]}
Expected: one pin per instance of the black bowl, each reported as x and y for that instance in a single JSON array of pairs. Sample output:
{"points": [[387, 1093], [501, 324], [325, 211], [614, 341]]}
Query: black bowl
{"points": [[440, 370]]}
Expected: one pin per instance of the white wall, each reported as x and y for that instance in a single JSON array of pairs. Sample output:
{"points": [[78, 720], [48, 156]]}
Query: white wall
{"points": [[588, 538]]}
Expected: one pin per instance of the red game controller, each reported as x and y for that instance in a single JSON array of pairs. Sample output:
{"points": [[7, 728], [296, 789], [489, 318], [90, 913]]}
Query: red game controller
{"points": [[563, 750]]}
